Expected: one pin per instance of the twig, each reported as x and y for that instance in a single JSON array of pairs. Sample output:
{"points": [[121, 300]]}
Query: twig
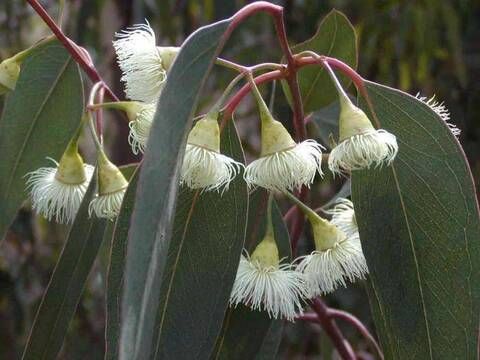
{"points": [[74, 50], [357, 324], [329, 325]]}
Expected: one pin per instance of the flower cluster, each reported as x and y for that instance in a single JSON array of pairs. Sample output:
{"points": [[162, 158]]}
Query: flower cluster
{"points": [[264, 282], [57, 192]]}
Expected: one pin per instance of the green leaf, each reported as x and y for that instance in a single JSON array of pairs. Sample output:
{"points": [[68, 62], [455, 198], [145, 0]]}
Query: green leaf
{"points": [[419, 225], [336, 38], [237, 340], [116, 269], [39, 118], [208, 237], [152, 218], [66, 284], [271, 342]]}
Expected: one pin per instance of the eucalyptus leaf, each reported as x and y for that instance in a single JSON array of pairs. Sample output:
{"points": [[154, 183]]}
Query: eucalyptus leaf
{"points": [[39, 118], [66, 284], [336, 38], [152, 219], [116, 268], [420, 230]]}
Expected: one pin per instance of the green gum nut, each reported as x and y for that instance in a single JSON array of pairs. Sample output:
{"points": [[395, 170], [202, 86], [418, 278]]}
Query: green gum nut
{"points": [[168, 55], [71, 168], [206, 133], [9, 72], [110, 178], [353, 121], [325, 234], [275, 137], [266, 253]]}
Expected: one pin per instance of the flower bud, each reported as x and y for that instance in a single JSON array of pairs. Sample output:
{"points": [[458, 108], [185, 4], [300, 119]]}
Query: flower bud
{"points": [[325, 234], [111, 189], [9, 72], [71, 169], [206, 133], [110, 178], [352, 121], [168, 55], [266, 253]]}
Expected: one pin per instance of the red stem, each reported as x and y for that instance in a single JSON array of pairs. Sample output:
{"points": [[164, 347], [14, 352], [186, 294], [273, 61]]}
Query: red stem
{"points": [[330, 326], [298, 222], [358, 81], [71, 47], [357, 324], [251, 9]]}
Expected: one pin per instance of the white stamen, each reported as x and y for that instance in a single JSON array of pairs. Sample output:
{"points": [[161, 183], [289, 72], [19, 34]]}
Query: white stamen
{"points": [[52, 198], [108, 205], [140, 62], [277, 290], [140, 128], [343, 216], [373, 148], [327, 270], [203, 168], [288, 169], [441, 110]]}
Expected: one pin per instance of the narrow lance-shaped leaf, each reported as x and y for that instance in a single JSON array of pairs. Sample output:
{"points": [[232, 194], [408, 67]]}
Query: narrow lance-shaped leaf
{"points": [[152, 218], [116, 271], [39, 118], [420, 231], [244, 330], [208, 237], [66, 284]]}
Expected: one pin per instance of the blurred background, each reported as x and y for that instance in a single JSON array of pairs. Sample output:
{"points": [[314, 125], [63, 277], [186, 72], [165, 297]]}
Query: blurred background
{"points": [[425, 46]]}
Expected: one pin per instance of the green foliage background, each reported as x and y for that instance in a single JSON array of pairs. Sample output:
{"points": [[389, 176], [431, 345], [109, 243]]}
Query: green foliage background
{"points": [[427, 45]]}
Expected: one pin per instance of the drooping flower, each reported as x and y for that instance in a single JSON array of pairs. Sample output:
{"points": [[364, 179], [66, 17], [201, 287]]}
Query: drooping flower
{"points": [[111, 189], [204, 167], [337, 257], [338, 253], [57, 192], [264, 283], [143, 64], [361, 146], [441, 110], [283, 164]]}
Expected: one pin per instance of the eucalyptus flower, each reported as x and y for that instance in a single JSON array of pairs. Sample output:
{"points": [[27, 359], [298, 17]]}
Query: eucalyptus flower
{"points": [[338, 253], [58, 191], [360, 146], [337, 257], [111, 189], [143, 64], [204, 167], [283, 163], [263, 282]]}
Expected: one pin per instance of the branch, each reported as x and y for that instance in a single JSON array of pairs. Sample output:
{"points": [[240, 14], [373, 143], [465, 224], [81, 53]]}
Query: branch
{"points": [[329, 325], [357, 324], [75, 51]]}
